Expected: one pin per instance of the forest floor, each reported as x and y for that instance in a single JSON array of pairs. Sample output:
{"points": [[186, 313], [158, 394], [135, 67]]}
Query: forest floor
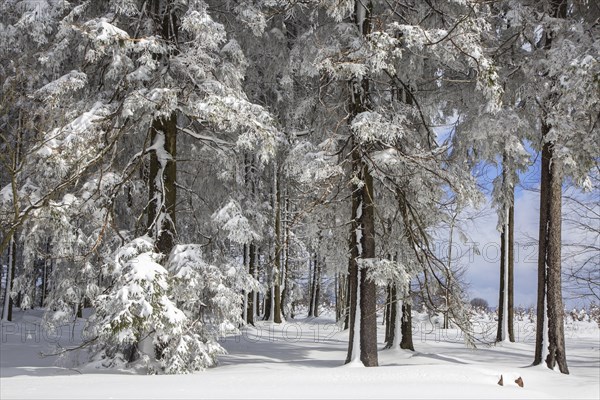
{"points": [[304, 359]]}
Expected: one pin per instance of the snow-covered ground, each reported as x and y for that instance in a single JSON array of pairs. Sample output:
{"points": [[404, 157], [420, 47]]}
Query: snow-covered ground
{"points": [[304, 359]]}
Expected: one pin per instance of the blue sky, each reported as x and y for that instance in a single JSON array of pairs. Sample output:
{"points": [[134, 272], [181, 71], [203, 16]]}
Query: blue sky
{"points": [[483, 270]]}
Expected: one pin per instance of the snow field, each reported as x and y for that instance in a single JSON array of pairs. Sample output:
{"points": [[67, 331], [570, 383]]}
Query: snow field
{"points": [[304, 359]]}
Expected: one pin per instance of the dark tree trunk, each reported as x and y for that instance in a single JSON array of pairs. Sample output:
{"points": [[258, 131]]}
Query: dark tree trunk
{"points": [[285, 293], [163, 199], [541, 286], [268, 302], [162, 189], [13, 269], [556, 335], [501, 311], [368, 290], [317, 289], [311, 289], [506, 262], [352, 268], [348, 293], [365, 224], [407, 339], [511, 267], [549, 262], [340, 298], [277, 255], [252, 271], [392, 306]]}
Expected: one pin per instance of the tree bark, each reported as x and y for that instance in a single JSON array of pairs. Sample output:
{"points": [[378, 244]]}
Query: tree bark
{"points": [[505, 302], [542, 242], [163, 173], [511, 267], [368, 290], [390, 326], [407, 339], [363, 200], [500, 332], [7, 310], [550, 324], [352, 267], [252, 295], [311, 277], [555, 312], [278, 249], [317, 289], [285, 293], [162, 186]]}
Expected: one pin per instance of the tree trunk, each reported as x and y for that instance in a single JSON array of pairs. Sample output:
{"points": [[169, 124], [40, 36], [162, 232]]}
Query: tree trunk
{"points": [[314, 292], [311, 288], [278, 248], [285, 293], [364, 234], [541, 330], [317, 289], [268, 303], [511, 266], [406, 329], [348, 289], [391, 306], [7, 310], [252, 295], [352, 324], [505, 302], [551, 339], [503, 273], [556, 335], [163, 190], [368, 290]]}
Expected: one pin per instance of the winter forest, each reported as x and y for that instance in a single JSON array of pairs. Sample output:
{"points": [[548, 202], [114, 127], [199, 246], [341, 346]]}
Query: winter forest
{"points": [[279, 193]]}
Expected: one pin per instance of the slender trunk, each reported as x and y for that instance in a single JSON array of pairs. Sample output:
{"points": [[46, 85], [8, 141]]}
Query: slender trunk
{"points": [[314, 289], [505, 309], [285, 293], [449, 275], [45, 275], [502, 314], [11, 234], [511, 266], [278, 248], [354, 349], [252, 295], [353, 288], [337, 297], [8, 302], [310, 286], [397, 334], [505, 277], [387, 310], [348, 294], [317, 283], [540, 343], [392, 317], [246, 294]]}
